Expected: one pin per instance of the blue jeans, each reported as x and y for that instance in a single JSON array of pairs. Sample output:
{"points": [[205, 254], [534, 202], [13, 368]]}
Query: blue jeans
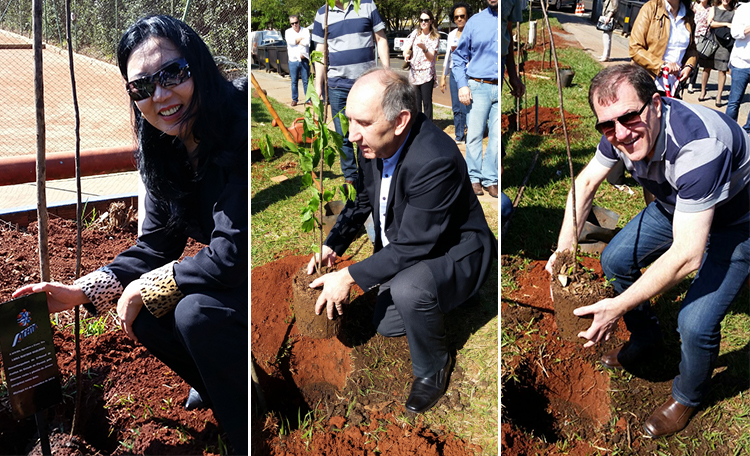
{"points": [[722, 273], [337, 98], [481, 113], [740, 80], [459, 111], [295, 68], [506, 207]]}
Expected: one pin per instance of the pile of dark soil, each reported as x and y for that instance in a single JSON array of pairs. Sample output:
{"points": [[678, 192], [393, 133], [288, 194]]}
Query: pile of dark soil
{"points": [[131, 403]]}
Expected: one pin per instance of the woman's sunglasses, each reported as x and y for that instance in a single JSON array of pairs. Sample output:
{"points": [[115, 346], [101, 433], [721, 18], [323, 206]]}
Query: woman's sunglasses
{"points": [[459, 16], [173, 74], [626, 120], [422, 19]]}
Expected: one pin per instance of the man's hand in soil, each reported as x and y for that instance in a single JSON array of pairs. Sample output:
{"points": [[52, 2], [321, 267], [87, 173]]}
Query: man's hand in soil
{"points": [[128, 306], [336, 287], [329, 257], [59, 296], [606, 313]]}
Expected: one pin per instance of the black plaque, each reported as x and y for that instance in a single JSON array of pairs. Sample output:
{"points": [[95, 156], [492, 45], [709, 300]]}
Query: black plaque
{"points": [[29, 355]]}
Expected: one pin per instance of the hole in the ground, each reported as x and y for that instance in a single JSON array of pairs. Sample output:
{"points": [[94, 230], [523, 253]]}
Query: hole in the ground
{"points": [[526, 405]]}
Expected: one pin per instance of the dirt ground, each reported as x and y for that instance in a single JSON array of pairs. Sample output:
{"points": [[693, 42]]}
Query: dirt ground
{"points": [[557, 398], [336, 378], [131, 402]]}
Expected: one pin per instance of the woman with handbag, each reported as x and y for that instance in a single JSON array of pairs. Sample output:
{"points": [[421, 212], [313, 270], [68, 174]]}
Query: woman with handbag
{"points": [[424, 49], [662, 42], [607, 25], [700, 9], [719, 20]]}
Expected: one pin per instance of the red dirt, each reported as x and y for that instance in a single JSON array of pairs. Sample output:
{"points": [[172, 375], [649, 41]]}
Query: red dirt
{"points": [[131, 403], [558, 384], [548, 119], [297, 374]]}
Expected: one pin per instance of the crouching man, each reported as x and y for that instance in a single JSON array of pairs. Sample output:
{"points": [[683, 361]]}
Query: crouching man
{"points": [[696, 162], [433, 248]]}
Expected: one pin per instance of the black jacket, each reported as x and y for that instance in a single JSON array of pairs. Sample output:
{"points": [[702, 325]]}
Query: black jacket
{"points": [[432, 215]]}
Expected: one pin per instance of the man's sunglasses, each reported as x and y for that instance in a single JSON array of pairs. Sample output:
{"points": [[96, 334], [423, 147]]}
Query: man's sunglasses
{"points": [[626, 120], [294, 23], [459, 16], [173, 74]]}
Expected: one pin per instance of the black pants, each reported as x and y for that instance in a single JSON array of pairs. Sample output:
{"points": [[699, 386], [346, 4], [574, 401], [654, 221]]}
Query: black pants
{"points": [[424, 97], [407, 304], [205, 342]]}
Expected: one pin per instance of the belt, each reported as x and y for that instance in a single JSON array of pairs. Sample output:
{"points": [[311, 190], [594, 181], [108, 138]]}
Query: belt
{"points": [[486, 81]]}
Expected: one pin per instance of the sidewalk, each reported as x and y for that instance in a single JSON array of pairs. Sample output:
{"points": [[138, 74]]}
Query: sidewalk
{"points": [[280, 89], [591, 41]]}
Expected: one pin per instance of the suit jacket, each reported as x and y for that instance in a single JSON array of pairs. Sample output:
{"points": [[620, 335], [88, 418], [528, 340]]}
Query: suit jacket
{"points": [[432, 215]]}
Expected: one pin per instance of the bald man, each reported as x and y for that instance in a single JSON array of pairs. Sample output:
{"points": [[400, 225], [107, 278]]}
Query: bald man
{"points": [[433, 248]]}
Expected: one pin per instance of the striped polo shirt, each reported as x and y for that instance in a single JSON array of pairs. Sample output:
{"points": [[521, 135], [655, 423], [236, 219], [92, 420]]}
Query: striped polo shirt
{"points": [[351, 48], [702, 160]]}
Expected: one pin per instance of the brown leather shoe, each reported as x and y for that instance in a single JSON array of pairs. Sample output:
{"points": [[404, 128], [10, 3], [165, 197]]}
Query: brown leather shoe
{"points": [[477, 187], [294, 103], [492, 190], [671, 417]]}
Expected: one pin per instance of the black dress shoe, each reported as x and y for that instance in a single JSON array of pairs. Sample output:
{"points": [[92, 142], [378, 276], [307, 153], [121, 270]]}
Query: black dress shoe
{"points": [[426, 391], [195, 401]]}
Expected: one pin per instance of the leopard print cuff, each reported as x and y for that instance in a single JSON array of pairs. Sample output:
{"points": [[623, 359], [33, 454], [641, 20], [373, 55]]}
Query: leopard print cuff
{"points": [[159, 290], [102, 288]]}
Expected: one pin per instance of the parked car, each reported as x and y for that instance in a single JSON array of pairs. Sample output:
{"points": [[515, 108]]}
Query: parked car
{"points": [[262, 37], [392, 36], [443, 46]]}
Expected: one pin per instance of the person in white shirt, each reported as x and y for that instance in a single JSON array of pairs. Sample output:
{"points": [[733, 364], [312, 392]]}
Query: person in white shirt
{"points": [[739, 62], [298, 45]]}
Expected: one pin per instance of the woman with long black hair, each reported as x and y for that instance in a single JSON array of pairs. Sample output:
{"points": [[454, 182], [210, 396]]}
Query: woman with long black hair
{"points": [[191, 313]]}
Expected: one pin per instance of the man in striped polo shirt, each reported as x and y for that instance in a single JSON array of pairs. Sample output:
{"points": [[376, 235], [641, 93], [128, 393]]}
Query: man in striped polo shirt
{"points": [[696, 162], [350, 53]]}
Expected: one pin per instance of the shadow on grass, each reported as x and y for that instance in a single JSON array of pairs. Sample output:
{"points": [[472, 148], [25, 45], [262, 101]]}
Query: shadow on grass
{"points": [[281, 191]]}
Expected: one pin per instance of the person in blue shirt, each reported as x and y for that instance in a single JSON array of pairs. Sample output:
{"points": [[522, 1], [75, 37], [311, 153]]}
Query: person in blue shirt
{"points": [[476, 72]]}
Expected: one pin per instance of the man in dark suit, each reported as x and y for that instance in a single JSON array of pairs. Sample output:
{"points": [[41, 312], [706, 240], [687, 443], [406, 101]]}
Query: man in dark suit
{"points": [[433, 248]]}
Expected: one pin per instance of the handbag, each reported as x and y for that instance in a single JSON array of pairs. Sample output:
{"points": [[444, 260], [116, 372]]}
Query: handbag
{"points": [[706, 45], [412, 36], [724, 37], [605, 26]]}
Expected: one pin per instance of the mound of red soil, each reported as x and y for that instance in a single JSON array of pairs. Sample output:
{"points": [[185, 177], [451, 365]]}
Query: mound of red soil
{"points": [[548, 121], [556, 391], [353, 411], [131, 403]]}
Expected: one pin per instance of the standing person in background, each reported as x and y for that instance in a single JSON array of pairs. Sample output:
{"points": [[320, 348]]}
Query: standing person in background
{"points": [[739, 62], [351, 52], [460, 13], [608, 11], [662, 42], [476, 72], [700, 10], [719, 19], [424, 51], [298, 45]]}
